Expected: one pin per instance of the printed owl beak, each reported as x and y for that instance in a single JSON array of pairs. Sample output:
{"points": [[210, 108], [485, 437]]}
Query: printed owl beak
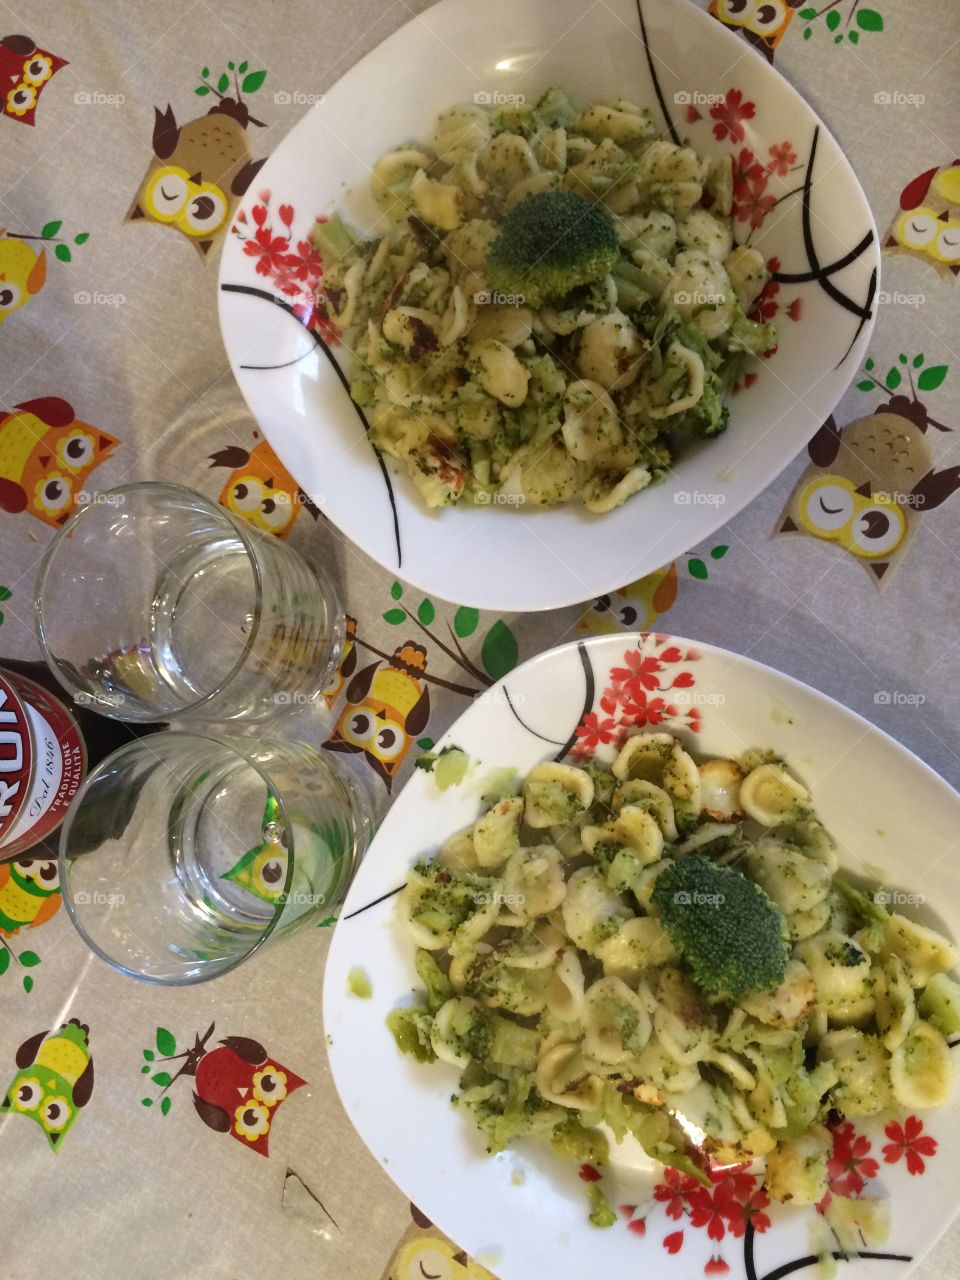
{"points": [[243, 1091], [945, 216], [864, 490], [195, 178]]}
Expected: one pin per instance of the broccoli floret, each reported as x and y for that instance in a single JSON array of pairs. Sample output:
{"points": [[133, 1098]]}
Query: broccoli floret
{"points": [[733, 937], [552, 242], [333, 239]]}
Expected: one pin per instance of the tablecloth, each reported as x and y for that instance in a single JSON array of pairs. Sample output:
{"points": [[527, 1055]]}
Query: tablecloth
{"points": [[116, 316]]}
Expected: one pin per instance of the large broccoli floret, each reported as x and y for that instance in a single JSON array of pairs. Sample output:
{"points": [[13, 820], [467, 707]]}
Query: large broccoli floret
{"points": [[733, 937], [552, 242]]}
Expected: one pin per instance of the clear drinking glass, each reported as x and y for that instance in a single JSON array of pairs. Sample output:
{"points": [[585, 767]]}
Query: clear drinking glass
{"points": [[182, 854], [153, 602]]}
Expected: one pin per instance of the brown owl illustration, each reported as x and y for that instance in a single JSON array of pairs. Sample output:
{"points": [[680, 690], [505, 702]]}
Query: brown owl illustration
{"points": [[387, 705], [928, 224], [261, 490], [46, 454], [763, 23], [198, 173], [24, 71], [867, 483]]}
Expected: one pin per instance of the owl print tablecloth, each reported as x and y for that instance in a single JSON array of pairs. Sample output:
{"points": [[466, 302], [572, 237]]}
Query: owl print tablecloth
{"points": [[112, 369]]}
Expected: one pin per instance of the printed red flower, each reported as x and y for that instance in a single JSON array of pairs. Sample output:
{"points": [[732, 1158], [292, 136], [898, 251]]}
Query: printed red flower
{"points": [[589, 1174], [638, 668], [672, 654], [748, 380], [639, 710], [850, 1165], [909, 1140], [782, 157], [592, 731], [746, 169], [716, 1267], [692, 114], [638, 1226], [306, 263], [766, 305], [269, 250], [707, 1209], [259, 214], [749, 1210], [286, 214], [673, 1243], [795, 309], [754, 204], [730, 114], [674, 1192], [627, 1210]]}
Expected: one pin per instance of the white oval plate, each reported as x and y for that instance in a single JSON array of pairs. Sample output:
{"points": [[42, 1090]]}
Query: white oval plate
{"points": [[524, 1212], [822, 235]]}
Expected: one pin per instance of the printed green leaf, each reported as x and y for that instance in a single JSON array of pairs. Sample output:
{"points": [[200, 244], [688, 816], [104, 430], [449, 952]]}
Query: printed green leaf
{"points": [[149, 1055], [162, 1078], [51, 229], [931, 378], [205, 72], [202, 90], [166, 1042], [165, 1105], [869, 20], [868, 363], [893, 378], [466, 621], [27, 983], [719, 552], [395, 617], [2, 616], [252, 82], [697, 569], [865, 385], [230, 66], [82, 238], [838, 39], [808, 14], [326, 923], [426, 613], [424, 743], [918, 361], [223, 84], [396, 590], [833, 20], [29, 959], [4, 961], [146, 1102], [62, 252], [145, 1069], [5, 593], [499, 653], [902, 358], [853, 37], [807, 33]]}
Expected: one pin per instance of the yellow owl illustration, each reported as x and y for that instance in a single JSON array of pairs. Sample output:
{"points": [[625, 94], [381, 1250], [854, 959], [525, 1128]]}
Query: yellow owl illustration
{"points": [[635, 606], [928, 225], [347, 664], [425, 1251], [763, 23], [260, 489], [23, 271], [387, 705], [867, 484], [198, 173]]}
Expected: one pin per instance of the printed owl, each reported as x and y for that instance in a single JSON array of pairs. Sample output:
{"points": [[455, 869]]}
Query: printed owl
{"points": [[928, 225], [54, 1081], [198, 173], [29, 894], [867, 484], [46, 455], [387, 705], [261, 490], [238, 1090], [347, 664], [23, 272], [24, 70], [635, 606], [425, 1251], [763, 23]]}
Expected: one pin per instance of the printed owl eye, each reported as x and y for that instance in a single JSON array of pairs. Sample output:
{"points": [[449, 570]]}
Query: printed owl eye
{"points": [[246, 495], [270, 1086], [827, 506], [251, 1120], [948, 243], [273, 875], [55, 1114], [76, 450], [602, 604], [54, 495], [628, 615], [767, 17], [276, 511], [38, 70], [41, 871], [389, 741], [359, 728], [431, 1265], [9, 295], [21, 99], [918, 228], [27, 1095], [206, 211], [877, 530], [734, 9], [168, 192]]}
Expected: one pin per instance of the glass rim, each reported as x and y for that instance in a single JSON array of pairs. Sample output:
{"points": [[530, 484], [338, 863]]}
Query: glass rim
{"points": [[63, 859], [58, 541]]}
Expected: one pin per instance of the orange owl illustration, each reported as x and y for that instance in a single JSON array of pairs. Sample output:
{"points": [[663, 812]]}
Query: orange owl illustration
{"points": [[46, 455], [23, 271], [24, 71], [261, 490], [928, 224], [198, 173], [867, 483], [424, 1250], [763, 23], [387, 705], [347, 664]]}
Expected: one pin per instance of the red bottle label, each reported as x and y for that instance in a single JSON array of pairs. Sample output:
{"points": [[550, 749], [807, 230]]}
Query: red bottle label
{"points": [[42, 762]]}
